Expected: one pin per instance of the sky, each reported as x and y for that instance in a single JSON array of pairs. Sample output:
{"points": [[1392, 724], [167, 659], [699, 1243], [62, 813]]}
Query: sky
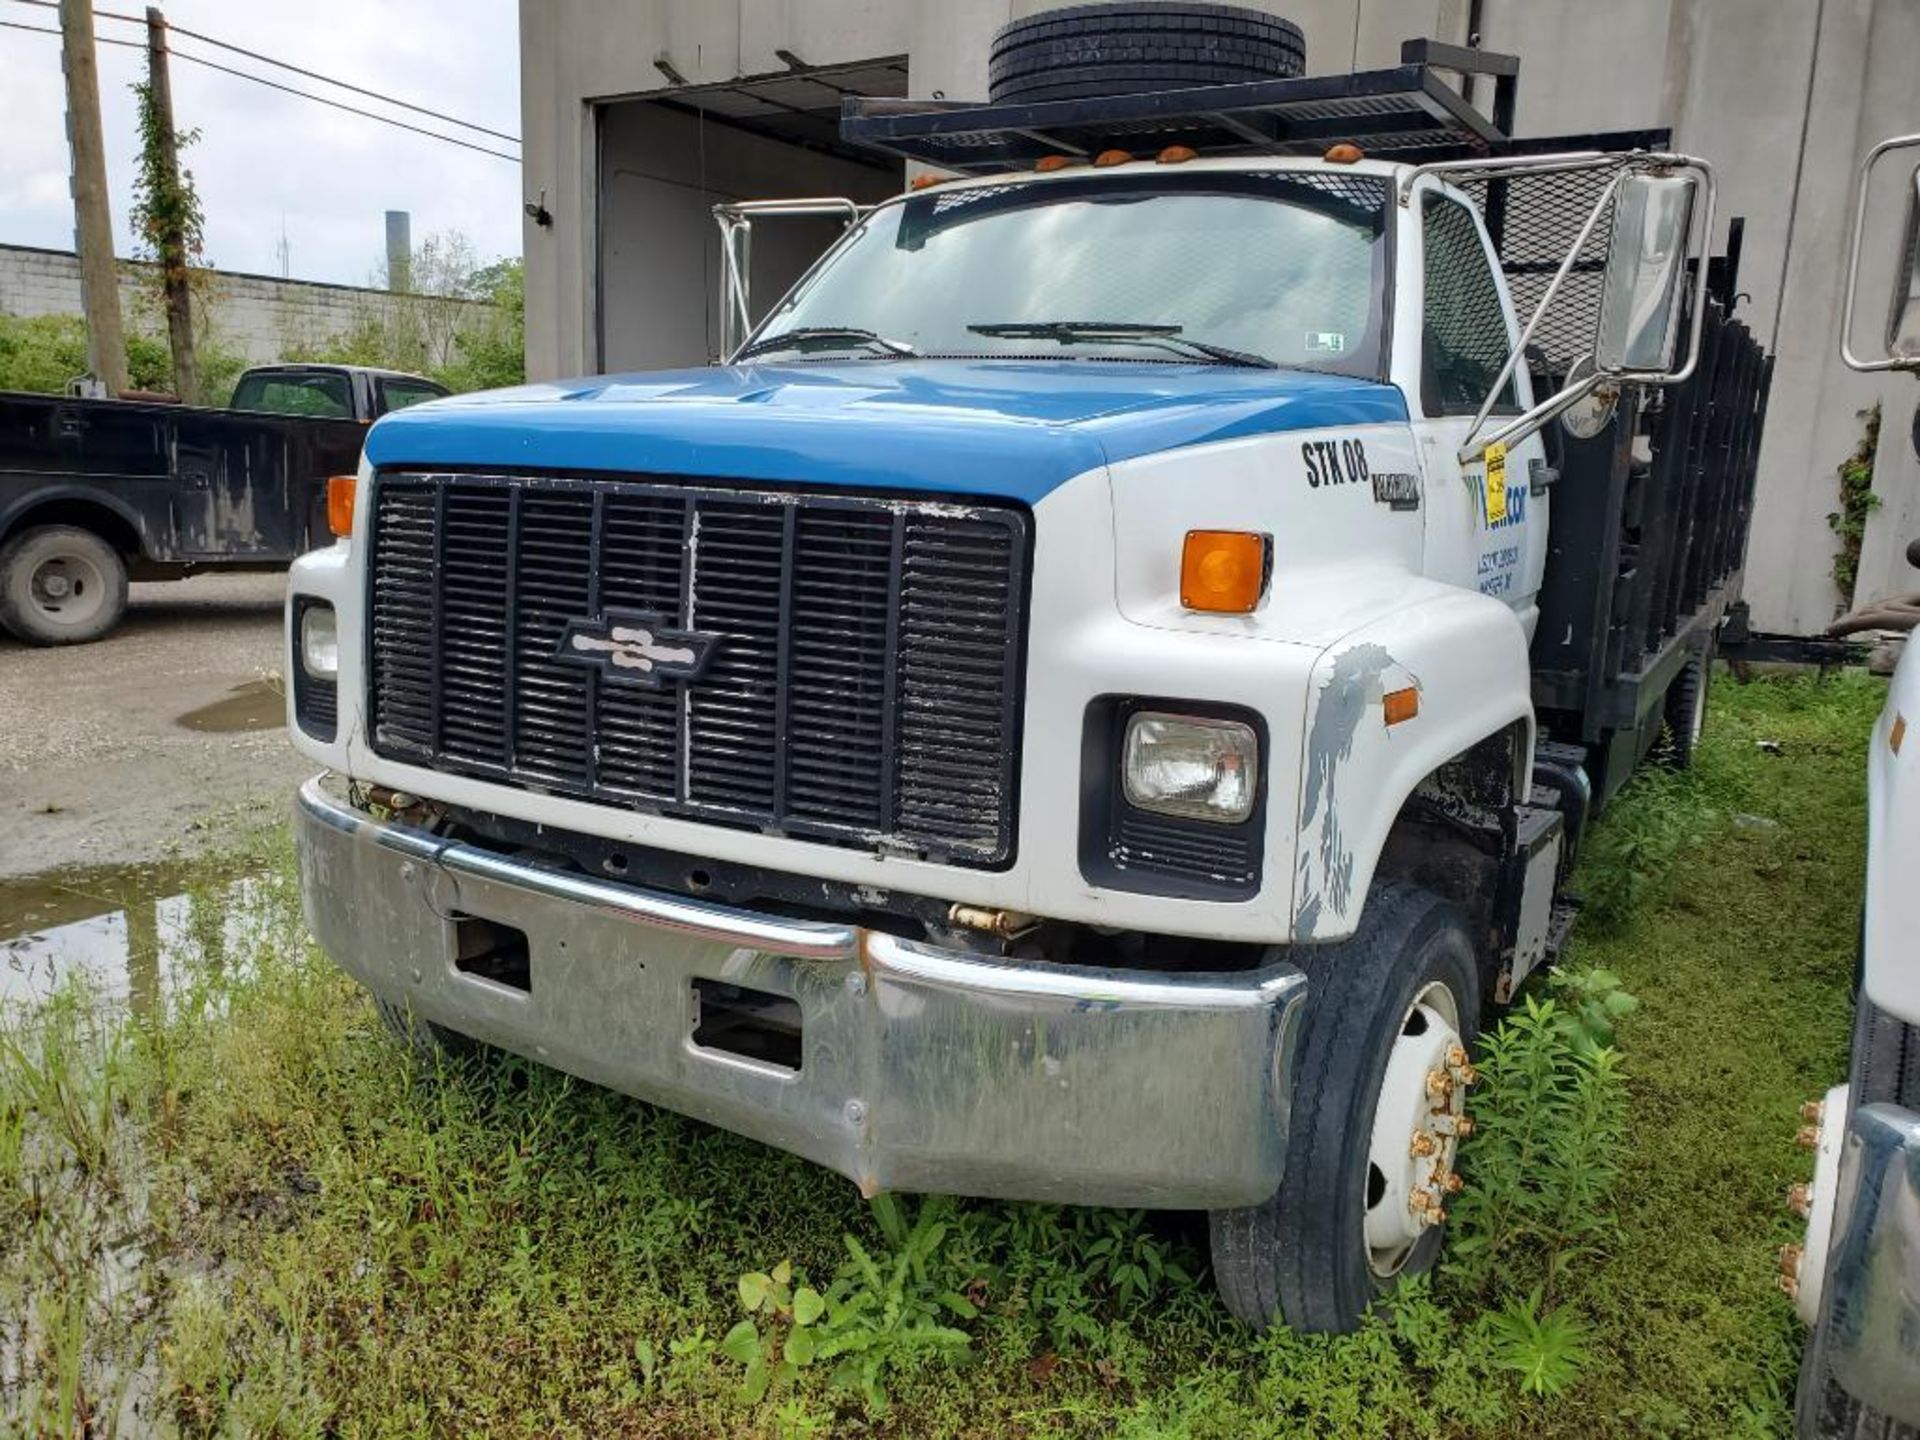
{"points": [[265, 158]]}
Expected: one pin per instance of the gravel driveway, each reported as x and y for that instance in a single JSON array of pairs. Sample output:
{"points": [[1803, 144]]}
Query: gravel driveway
{"points": [[148, 742]]}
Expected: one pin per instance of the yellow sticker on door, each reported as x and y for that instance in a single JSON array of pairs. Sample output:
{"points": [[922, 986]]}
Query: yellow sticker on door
{"points": [[1496, 484]]}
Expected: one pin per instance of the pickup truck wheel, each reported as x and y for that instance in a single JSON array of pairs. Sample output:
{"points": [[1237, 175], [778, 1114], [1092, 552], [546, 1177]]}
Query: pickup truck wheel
{"points": [[1379, 1092], [1886, 1067], [61, 585], [425, 1042], [1137, 45]]}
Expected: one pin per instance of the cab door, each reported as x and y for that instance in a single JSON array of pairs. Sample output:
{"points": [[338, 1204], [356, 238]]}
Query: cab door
{"points": [[1489, 537]]}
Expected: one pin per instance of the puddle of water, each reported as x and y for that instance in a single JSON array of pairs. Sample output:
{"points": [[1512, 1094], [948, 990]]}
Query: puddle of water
{"points": [[256, 705], [131, 930]]}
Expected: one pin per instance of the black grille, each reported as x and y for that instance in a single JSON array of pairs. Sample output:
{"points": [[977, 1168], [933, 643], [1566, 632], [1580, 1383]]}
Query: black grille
{"points": [[862, 687], [1227, 857]]}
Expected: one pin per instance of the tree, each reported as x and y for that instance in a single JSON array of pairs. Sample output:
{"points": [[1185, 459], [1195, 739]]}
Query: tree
{"points": [[170, 226], [462, 323]]}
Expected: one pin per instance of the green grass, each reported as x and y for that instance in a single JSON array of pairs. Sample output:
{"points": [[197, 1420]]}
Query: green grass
{"points": [[246, 1215]]}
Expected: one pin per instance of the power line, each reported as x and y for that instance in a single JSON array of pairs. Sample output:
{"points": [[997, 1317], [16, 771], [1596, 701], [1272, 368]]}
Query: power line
{"points": [[276, 85], [285, 65], [340, 105]]}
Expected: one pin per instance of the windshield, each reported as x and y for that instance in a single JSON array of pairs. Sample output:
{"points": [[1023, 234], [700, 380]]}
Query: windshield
{"points": [[317, 393], [1289, 268]]}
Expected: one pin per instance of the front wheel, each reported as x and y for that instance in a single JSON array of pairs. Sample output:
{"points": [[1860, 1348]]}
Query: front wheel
{"points": [[1378, 1104], [425, 1042]]}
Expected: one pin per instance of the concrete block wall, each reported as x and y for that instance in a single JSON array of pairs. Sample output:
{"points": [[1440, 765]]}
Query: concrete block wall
{"points": [[257, 317]]}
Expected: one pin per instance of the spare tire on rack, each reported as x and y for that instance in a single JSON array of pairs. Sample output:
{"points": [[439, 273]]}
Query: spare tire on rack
{"points": [[1131, 46]]}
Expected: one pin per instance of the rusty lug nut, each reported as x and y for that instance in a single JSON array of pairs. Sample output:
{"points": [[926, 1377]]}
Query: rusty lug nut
{"points": [[1469, 1076], [1450, 1182], [1456, 1056], [1808, 1138], [1800, 1199], [1447, 1123], [1439, 1083], [1789, 1284], [1463, 1126], [1790, 1262], [1423, 1144], [1814, 1111]]}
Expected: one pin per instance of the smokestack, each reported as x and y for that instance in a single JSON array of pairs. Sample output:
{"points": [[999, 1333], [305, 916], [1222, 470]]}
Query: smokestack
{"points": [[399, 251]]}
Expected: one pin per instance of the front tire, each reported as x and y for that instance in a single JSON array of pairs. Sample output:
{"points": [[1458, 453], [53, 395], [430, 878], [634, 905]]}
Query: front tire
{"points": [[1378, 1090], [61, 585], [425, 1042]]}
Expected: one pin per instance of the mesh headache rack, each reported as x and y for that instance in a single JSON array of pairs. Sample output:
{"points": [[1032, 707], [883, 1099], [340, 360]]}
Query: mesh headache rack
{"points": [[1408, 112]]}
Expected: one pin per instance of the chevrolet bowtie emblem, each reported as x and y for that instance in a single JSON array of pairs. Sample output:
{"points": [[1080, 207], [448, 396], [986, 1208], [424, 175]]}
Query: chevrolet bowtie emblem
{"points": [[635, 647]]}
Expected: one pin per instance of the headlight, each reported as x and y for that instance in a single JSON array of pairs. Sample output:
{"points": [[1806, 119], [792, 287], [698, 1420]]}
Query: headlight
{"points": [[319, 642], [1187, 765]]}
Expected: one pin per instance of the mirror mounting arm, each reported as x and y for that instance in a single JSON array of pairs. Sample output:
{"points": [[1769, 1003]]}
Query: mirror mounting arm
{"points": [[1533, 323], [735, 219]]}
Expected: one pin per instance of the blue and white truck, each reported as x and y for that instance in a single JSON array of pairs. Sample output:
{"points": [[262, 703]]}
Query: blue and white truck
{"points": [[1095, 695], [1855, 1278]]}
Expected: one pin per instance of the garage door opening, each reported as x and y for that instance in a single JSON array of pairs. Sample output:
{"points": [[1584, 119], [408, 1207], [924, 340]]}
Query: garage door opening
{"points": [[666, 159]]}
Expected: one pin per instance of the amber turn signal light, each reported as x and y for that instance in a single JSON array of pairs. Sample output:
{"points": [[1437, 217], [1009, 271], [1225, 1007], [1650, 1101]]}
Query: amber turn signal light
{"points": [[1401, 705], [1224, 571], [340, 490], [1344, 154], [1047, 164], [1111, 157]]}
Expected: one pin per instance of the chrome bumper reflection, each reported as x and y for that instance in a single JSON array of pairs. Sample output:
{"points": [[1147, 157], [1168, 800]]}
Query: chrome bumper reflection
{"points": [[1872, 1295], [922, 1069]]}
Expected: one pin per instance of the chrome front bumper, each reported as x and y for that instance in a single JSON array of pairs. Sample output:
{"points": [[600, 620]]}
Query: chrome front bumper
{"points": [[1872, 1289], [922, 1069]]}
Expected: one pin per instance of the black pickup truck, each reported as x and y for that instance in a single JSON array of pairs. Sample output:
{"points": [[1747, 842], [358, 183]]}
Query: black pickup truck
{"points": [[96, 492]]}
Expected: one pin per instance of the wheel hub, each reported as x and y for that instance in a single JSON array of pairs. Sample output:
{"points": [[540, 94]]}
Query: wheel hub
{"points": [[67, 586], [1416, 1130]]}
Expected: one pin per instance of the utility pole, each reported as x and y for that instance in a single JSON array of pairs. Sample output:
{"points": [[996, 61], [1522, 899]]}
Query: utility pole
{"points": [[92, 222], [172, 241]]}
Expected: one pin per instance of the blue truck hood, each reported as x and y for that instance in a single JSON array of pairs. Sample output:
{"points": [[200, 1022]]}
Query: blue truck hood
{"points": [[1013, 429]]}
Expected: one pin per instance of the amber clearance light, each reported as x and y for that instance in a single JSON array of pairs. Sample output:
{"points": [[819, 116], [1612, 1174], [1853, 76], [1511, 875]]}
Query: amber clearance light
{"points": [[1225, 571], [340, 491]]}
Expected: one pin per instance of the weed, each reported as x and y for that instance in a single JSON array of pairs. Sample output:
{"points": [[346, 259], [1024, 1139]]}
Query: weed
{"points": [[1593, 1003], [1550, 1130], [881, 1312], [1857, 504], [1626, 862], [1546, 1350]]}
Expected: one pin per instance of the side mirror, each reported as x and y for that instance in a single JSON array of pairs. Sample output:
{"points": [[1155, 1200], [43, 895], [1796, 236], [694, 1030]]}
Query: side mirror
{"points": [[1903, 316], [1639, 323], [1902, 340]]}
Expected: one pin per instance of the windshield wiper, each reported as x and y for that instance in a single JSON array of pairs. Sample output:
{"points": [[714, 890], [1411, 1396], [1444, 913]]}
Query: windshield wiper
{"points": [[1069, 332], [824, 337]]}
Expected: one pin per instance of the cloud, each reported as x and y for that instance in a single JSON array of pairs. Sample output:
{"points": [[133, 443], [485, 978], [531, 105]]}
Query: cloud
{"points": [[265, 158]]}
